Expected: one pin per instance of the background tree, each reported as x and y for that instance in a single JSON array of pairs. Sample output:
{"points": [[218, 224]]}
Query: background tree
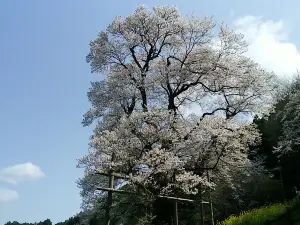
{"points": [[274, 130], [46, 222]]}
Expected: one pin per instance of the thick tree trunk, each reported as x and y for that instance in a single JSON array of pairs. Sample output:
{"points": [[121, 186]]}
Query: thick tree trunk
{"points": [[163, 210]]}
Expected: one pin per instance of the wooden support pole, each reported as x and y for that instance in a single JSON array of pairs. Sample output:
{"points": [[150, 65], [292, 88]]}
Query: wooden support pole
{"points": [[201, 208], [175, 212], [210, 202], [109, 199], [111, 175], [114, 190], [175, 202], [282, 185], [116, 175], [158, 196]]}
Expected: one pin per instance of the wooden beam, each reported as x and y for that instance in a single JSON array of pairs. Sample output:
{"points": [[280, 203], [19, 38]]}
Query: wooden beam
{"points": [[116, 175], [159, 196], [114, 190]]}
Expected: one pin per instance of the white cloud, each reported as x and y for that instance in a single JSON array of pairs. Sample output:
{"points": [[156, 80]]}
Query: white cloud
{"points": [[269, 44], [7, 195], [21, 172]]}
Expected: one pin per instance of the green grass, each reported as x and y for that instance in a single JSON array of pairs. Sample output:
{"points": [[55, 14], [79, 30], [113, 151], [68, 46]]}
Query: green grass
{"points": [[275, 214]]}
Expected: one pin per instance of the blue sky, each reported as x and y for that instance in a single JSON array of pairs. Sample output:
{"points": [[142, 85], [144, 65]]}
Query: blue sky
{"points": [[44, 79]]}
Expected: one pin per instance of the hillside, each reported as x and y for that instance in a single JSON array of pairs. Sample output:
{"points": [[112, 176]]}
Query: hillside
{"points": [[277, 214]]}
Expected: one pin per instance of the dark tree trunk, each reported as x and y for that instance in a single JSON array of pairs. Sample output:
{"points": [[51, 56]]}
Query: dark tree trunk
{"points": [[163, 210]]}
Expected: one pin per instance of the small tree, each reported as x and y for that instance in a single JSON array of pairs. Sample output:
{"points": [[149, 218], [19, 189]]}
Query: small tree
{"points": [[157, 66]]}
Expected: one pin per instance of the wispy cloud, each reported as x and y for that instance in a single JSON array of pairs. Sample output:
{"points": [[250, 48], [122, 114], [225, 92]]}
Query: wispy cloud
{"points": [[21, 172], [15, 175], [270, 44], [7, 195]]}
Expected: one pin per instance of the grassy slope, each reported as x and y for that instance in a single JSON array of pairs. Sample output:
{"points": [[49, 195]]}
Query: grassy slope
{"points": [[278, 214]]}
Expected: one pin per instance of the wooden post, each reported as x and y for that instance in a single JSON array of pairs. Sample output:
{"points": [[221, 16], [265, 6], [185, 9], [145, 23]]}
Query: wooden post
{"points": [[201, 208], [175, 206], [109, 199], [210, 202], [279, 168], [175, 212], [282, 185]]}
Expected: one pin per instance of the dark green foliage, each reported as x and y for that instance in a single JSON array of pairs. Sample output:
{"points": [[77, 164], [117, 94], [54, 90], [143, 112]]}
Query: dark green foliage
{"points": [[46, 222], [71, 221], [271, 129]]}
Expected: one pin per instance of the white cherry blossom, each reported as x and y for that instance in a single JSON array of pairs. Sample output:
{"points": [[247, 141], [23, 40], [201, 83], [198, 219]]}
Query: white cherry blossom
{"points": [[157, 63]]}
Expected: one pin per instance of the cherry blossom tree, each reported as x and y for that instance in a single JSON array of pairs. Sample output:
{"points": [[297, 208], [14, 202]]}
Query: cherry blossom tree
{"points": [[156, 65]]}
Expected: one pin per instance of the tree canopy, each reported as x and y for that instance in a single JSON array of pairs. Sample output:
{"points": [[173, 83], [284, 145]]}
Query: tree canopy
{"points": [[157, 64]]}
